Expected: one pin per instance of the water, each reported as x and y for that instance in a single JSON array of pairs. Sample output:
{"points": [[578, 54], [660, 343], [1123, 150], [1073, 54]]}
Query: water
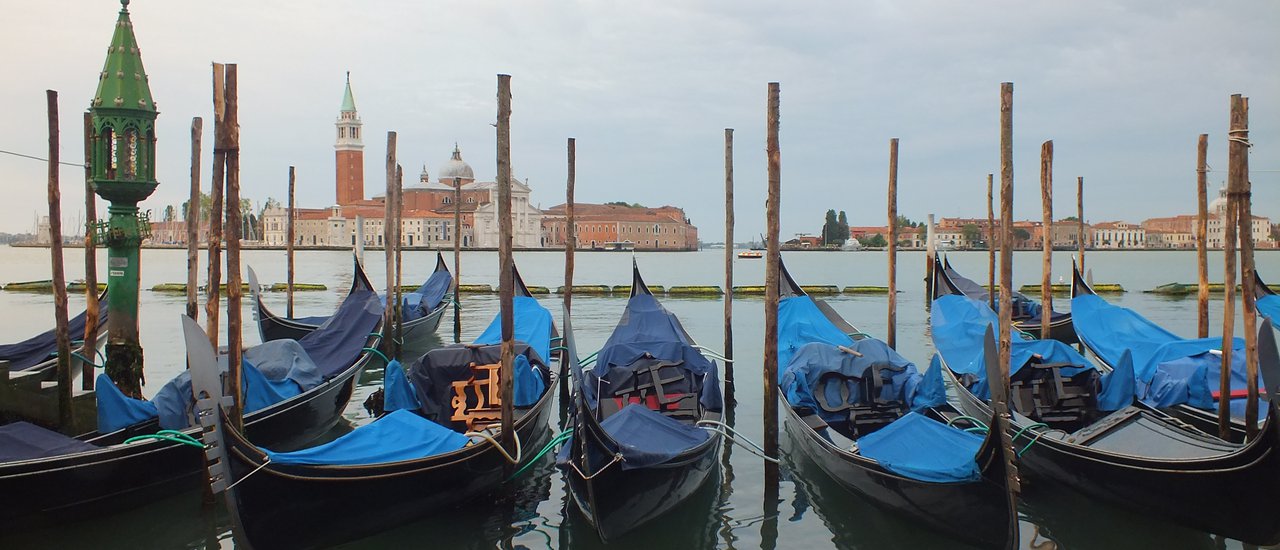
{"points": [[810, 511]]}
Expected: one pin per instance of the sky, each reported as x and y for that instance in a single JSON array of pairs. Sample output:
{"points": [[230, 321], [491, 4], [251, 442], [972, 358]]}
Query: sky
{"points": [[647, 89]]}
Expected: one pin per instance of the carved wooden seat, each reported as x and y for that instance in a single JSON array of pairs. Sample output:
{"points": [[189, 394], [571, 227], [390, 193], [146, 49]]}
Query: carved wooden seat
{"points": [[475, 400], [647, 388]]}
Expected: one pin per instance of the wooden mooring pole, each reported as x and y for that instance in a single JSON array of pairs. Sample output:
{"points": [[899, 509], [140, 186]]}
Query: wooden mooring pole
{"points": [[193, 222], [1202, 233], [388, 251], [457, 259], [65, 415], [892, 333], [1237, 155], [507, 265], [929, 254], [772, 265], [728, 267], [1005, 309], [1080, 233], [992, 239], [215, 212], [234, 293], [1238, 180], [1046, 237], [91, 306], [570, 231], [398, 242], [289, 242]]}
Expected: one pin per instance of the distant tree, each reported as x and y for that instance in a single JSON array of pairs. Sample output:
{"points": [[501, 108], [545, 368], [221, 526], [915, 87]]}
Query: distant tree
{"points": [[625, 204], [842, 229], [830, 228], [1021, 235], [971, 234], [904, 221], [873, 241], [168, 213], [1070, 219]]}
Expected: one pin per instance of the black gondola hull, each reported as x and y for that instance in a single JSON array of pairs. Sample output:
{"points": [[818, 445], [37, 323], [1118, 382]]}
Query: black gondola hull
{"points": [[1060, 328], [63, 488], [1229, 495], [284, 506], [975, 512]]}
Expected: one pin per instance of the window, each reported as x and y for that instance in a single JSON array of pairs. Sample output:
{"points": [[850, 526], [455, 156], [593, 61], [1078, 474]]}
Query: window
{"points": [[131, 153], [342, 132]]}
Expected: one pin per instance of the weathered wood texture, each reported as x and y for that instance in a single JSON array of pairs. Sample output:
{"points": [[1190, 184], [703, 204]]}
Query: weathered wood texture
{"points": [[1235, 162], [457, 259], [506, 264], [570, 229], [92, 309], [728, 265], [992, 239], [1046, 212], [1006, 270], [63, 336], [892, 332], [1238, 180], [212, 297], [772, 265], [1080, 236], [1202, 233], [290, 237], [234, 289]]}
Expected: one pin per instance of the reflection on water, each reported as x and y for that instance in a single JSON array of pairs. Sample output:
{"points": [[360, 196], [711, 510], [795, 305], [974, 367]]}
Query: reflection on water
{"points": [[735, 510]]}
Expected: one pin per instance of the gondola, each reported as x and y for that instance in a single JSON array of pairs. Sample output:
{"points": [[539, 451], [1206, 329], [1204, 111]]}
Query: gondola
{"points": [[1027, 313], [852, 410], [1086, 431], [52, 478], [406, 464], [638, 449], [32, 361], [423, 309], [1268, 302], [1173, 373]]}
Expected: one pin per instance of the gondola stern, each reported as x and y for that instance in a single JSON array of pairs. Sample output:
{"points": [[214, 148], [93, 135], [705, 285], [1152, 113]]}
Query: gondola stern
{"points": [[787, 286], [1079, 287], [638, 286]]}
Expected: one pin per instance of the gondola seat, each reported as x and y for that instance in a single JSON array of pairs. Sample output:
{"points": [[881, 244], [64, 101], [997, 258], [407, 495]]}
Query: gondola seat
{"points": [[863, 398], [1041, 392], [660, 386]]}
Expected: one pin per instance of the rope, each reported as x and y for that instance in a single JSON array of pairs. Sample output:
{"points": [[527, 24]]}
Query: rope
{"points": [[1241, 140], [714, 426], [558, 439], [617, 457], [246, 476], [32, 157], [862, 334], [86, 360], [1033, 440], [975, 421], [167, 435], [495, 443], [378, 353]]}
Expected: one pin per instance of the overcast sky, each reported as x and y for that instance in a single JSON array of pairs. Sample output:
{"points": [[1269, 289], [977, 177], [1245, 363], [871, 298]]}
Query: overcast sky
{"points": [[647, 88]]}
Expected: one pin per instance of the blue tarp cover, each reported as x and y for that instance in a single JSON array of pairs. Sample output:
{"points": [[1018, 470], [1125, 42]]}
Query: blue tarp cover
{"points": [[959, 325], [800, 322], [117, 410], [1269, 306], [400, 435], [648, 437], [433, 375], [44, 346], [25, 441], [813, 361], [921, 448], [335, 345], [647, 331], [1170, 370], [398, 392], [432, 292], [533, 326]]}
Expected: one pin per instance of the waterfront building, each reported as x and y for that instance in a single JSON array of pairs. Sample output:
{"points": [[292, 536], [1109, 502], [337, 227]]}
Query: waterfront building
{"points": [[599, 225], [1118, 235]]}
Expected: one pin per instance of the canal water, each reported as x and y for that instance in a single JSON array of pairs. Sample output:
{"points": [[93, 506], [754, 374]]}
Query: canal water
{"points": [[810, 510]]}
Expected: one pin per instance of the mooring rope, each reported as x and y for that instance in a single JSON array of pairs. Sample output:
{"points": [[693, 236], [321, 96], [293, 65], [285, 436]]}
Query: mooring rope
{"points": [[555, 441], [730, 434], [246, 476], [490, 439]]}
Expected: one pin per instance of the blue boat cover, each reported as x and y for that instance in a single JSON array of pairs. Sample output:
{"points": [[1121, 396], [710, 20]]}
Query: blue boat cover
{"points": [[25, 441], [1269, 306], [918, 447], [117, 410], [812, 362], [336, 344], [316, 320], [648, 332], [44, 346], [1024, 309], [648, 437], [432, 376], [1169, 370], [400, 435], [533, 325], [800, 322], [432, 292], [959, 325], [398, 392]]}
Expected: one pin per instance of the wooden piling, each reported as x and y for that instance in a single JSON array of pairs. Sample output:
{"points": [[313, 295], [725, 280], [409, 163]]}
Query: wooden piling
{"points": [[570, 231], [1080, 236], [1005, 308], [457, 259], [398, 242], [1046, 236], [388, 252], [506, 264], [288, 247], [193, 222], [359, 247], [1238, 180], [772, 265], [215, 212], [929, 254], [91, 306], [65, 416], [892, 333], [991, 243], [1202, 233], [728, 266], [1237, 155], [234, 291]]}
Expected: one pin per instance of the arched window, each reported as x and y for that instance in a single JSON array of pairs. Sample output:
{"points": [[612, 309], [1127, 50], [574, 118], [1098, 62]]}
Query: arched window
{"points": [[342, 132], [130, 153], [109, 145]]}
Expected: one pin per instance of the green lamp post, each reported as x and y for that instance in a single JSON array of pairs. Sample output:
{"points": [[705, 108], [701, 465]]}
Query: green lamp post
{"points": [[124, 173]]}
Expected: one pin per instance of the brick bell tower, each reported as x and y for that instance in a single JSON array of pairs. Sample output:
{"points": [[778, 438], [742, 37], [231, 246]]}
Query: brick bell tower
{"points": [[349, 151]]}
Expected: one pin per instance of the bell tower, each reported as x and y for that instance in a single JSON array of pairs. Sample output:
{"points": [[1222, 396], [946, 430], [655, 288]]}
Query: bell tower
{"points": [[348, 151], [123, 165]]}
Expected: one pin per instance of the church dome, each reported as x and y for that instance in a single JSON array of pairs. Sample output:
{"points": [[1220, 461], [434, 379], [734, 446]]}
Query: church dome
{"points": [[1219, 205], [456, 168]]}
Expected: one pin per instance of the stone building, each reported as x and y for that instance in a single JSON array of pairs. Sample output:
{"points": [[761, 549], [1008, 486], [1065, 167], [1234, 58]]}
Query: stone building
{"points": [[1118, 235], [600, 225]]}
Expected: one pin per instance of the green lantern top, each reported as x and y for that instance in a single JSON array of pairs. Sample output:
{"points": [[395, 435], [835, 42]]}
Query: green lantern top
{"points": [[122, 84]]}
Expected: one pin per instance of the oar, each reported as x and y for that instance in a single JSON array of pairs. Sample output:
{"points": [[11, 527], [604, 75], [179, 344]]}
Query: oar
{"points": [[998, 384], [206, 387]]}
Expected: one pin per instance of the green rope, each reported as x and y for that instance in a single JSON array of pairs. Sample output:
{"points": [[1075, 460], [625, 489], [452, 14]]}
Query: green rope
{"points": [[1033, 439], [560, 348], [862, 334], [378, 353], [975, 421], [978, 429], [555, 441], [86, 360], [557, 338], [167, 435]]}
